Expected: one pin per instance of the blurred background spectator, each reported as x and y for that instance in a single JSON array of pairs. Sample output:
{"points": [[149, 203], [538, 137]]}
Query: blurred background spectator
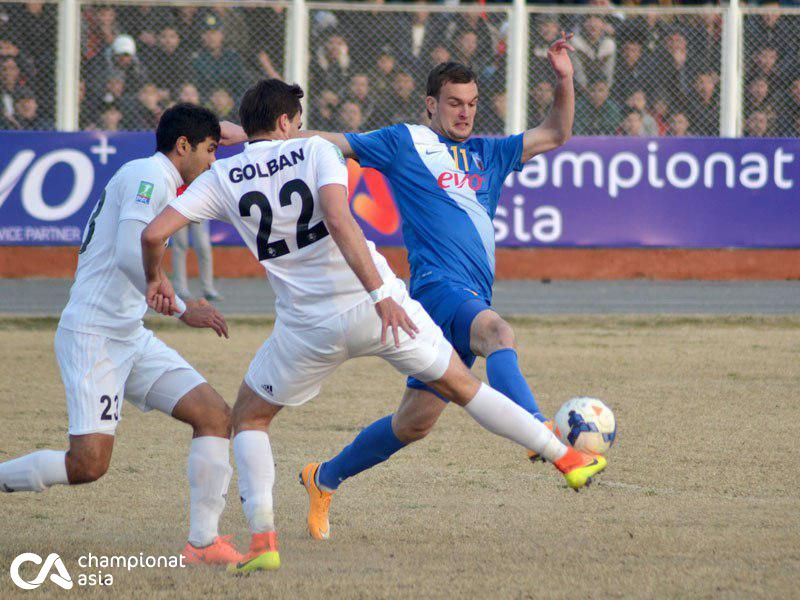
{"points": [[598, 114], [595, 53], [217, 64], [351, 118], [137, 60]]}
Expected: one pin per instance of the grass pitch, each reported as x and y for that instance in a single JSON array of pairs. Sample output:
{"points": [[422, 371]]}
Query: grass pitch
{"points": [[700, 498]]}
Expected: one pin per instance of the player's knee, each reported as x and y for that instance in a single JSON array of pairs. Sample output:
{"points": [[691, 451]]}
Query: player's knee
{"points": [[251, 411], [501, 335], [86, 467], [413, 429], [215, 419]]}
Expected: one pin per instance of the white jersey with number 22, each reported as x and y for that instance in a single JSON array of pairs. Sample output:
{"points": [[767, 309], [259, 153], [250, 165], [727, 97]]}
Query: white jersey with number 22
{"points": [[270, 194]]}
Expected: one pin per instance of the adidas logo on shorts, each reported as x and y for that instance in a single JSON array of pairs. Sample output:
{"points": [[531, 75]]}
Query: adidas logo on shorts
{"points": [[267, 388]]}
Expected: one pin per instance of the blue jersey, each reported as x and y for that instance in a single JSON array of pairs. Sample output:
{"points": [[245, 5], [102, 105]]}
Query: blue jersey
{"points": [[447, 195]]}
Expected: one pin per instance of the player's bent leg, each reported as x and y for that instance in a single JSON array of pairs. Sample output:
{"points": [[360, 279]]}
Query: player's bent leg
{"points": [[376, 443], [417, 414], [88, 457], [252, 417], [206, 411], [209, 470], [499, 415], [491, 336], [87, 460]]}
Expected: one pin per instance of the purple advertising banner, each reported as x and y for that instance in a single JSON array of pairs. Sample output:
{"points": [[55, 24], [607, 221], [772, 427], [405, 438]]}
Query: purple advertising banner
{"points": [[608, 192]]}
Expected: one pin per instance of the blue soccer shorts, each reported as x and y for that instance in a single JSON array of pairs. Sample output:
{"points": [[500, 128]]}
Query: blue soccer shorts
{"points": [[452, 307]]}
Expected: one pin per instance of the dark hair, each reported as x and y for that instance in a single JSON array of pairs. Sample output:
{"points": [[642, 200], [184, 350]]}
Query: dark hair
{"points": [[267, 100], [186, 120], [449, 72]]}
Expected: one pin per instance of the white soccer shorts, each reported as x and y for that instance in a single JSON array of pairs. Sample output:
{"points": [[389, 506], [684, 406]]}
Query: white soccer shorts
{"points": [[98, 372], [289, 368]]}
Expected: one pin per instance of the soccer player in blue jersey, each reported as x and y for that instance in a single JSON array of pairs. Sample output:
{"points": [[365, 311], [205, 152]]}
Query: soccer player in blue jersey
{"points": [[446, 184]]}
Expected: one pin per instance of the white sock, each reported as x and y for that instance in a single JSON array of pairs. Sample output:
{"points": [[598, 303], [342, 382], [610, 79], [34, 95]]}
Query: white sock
{"points": [[34, 472], [497, 413], [210, 474], [256, 478]]}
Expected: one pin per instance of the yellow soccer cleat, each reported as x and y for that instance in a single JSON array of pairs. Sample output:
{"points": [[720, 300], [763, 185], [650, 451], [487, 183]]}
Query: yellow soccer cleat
{"points": [[319, 503], [535, 456], [578, 469], [263, 555]]}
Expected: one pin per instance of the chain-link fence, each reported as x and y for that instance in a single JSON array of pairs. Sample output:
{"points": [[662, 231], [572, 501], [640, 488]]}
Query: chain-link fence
{"points": [[138, 60], [638, 71], [27, 64], [368, 68], [771, 61]]}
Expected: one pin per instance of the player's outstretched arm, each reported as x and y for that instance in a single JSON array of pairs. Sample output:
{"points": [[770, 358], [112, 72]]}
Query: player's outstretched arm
{"points": [[556, 129], [351, 241], [337, 139], [231, 133]]}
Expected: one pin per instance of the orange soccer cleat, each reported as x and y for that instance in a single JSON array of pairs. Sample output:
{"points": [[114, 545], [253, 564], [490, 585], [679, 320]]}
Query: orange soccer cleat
{"points": [[220, 552], [319, 503], [578, 468]]}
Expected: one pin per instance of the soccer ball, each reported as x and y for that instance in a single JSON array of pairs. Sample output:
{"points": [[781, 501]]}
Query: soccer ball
{"points": [[587, 424]]}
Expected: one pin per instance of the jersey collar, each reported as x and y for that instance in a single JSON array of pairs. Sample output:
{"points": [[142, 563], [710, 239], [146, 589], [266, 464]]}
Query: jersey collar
{"points": [[167, 165], [446, 140]]}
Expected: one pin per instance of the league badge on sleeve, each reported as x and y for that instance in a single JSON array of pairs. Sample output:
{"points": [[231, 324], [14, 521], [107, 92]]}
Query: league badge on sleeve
{"points": [[145, 193]]}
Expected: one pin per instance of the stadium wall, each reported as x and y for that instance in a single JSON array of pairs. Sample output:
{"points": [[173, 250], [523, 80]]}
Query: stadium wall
{"points": [[538, 263]]}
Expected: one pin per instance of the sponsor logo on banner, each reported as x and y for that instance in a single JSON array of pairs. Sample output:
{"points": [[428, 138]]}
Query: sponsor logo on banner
{"points": [[608, 192]]}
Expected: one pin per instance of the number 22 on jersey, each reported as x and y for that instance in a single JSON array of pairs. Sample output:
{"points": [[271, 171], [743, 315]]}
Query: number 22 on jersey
{"points": [[305, 235]]}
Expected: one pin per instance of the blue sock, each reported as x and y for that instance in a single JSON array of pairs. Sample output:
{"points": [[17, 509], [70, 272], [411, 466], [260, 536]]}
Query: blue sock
{"points": [[375, 444], [504, 375]]}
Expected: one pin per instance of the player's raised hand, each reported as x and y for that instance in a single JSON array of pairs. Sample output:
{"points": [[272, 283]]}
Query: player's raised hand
{"points": [[202, 314], [393, 316], [558, 55]]}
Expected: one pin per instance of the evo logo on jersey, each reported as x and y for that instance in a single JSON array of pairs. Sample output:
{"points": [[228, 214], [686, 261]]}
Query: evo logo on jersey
{"points": [[145, 193], [449, 180]]}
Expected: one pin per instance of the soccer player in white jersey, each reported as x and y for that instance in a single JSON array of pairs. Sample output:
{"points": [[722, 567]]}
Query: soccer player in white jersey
{"points": [[105, 353], [337, 299]]}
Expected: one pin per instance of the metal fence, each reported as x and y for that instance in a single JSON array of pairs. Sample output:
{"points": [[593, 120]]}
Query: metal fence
{"points": [[28, 34], [771, 72], [703, 71]]}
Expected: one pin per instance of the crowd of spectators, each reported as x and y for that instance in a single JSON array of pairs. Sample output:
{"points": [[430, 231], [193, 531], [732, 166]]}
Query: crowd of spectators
{"points": [[637, 75]]}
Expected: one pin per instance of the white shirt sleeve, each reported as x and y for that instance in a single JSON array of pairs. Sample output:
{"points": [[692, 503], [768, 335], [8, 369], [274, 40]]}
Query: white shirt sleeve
{"points": [[143, 198], [202, 200], [329, 164]]}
